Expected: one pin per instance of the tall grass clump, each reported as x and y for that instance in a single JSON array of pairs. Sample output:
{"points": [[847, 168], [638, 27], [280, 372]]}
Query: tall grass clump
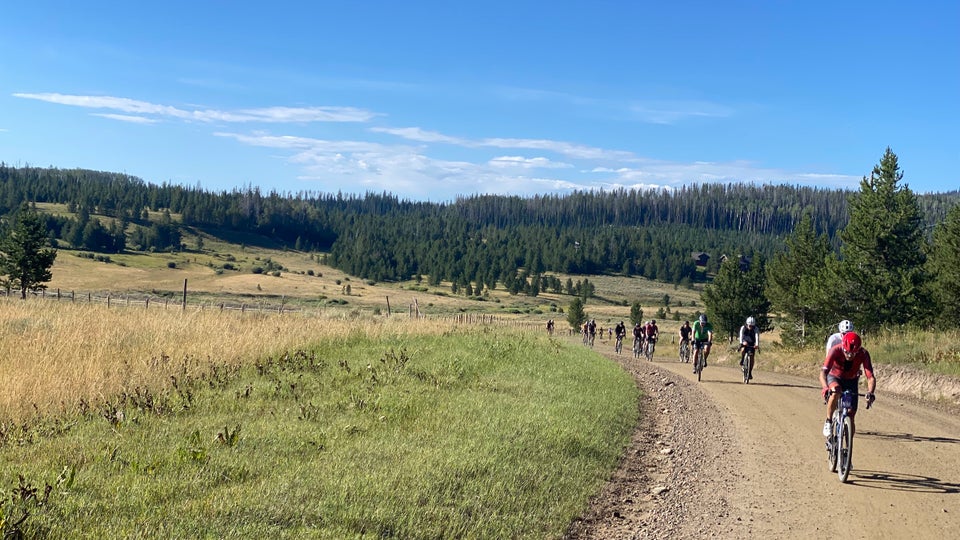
{"points": [[392, 432]]}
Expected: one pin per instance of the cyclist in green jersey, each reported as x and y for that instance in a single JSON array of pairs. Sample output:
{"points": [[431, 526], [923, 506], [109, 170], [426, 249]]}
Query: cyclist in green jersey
{"points": [[703, 334]]}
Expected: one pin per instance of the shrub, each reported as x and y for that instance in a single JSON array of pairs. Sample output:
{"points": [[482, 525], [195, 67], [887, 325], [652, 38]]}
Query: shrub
{"points": [[171, 264]]}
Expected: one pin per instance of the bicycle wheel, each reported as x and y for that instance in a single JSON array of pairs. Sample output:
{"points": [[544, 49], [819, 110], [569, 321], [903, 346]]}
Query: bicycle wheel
{"points": [[832, 445], [845, 449]]}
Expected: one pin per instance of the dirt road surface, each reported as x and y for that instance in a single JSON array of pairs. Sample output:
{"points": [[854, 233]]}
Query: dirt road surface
{"points": [[721, 459]]}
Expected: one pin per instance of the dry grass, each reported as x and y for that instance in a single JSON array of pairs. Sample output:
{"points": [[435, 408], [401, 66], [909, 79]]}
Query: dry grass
{"points": [[54, 354]]}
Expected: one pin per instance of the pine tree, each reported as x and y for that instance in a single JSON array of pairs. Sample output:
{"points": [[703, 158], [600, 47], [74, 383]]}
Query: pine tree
{"points": [[576, 315], [24, 260], [883, 275], [945, 267], [636, 313], [736, 294], [793, 278]]}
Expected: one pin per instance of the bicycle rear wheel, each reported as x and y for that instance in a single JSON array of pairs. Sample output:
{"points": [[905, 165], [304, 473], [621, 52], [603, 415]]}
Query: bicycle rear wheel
{"points": [[845, 449]]}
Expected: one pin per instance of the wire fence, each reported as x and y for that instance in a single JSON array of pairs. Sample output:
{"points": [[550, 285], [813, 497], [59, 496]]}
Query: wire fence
{"points": [[261, 306]]}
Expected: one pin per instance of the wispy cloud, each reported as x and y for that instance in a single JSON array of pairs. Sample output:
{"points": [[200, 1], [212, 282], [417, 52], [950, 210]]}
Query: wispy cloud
{"points": [[262, 115], [671, 112], [506, 162], [128, 118]]}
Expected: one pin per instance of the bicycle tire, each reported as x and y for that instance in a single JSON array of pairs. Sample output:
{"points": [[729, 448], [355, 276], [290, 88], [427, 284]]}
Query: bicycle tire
{"points": [[845, 449], [832, 444]]}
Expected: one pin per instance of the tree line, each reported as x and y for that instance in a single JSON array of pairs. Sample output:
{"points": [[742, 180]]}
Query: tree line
{"points": [[481, 242], [892, 269]]}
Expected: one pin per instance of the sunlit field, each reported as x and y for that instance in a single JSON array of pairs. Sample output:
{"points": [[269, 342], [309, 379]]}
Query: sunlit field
{"points": [[55, 354]]}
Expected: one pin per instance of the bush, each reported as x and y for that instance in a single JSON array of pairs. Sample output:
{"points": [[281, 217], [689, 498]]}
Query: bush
{"points": [[275, 273], [171, 264], [257, 270], [229, 266]]}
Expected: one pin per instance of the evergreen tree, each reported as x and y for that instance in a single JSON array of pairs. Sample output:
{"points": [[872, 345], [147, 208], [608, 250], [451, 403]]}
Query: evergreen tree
{"points": [[793, 279], [945, 267], [736, 294], [24, 260], [883, 273], [576, 315], [636, 313]]}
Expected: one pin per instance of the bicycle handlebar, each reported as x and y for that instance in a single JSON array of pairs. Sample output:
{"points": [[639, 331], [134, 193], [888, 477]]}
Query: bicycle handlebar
{"points": [[869, 402]]}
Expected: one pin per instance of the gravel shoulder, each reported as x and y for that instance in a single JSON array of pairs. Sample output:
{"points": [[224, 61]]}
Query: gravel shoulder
{"points": [[726, 460]]}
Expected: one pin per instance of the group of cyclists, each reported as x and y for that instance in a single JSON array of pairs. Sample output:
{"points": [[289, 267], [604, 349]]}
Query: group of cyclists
{"points": [[846, 358]]}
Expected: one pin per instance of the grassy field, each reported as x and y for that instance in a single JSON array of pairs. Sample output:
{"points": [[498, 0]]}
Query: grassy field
{"points": [[303, 427]]}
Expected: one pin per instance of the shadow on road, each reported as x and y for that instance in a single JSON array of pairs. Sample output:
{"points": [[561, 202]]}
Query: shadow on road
{"points": [[907, 437], [902, 482], [755, 382]]}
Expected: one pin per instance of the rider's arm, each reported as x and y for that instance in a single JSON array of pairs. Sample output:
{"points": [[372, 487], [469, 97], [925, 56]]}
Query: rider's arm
{"points": [[868, 371], [743, 329]]}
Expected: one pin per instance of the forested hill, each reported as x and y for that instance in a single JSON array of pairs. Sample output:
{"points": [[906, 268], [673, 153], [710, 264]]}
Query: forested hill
{"points": [[478, 240]]}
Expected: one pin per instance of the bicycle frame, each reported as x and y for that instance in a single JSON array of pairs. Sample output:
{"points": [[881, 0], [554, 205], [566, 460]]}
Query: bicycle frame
{"points": [[840, 442], [748, 358]]}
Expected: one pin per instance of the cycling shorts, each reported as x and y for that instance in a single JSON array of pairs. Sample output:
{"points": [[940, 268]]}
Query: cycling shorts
{"points": [[846, 384]]}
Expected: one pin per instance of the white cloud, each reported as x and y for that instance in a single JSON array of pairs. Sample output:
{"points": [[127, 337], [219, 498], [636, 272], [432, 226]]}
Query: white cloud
{"points": [[671, 112], [263, 115], [421, 135], [128, 118], [527, 163]]}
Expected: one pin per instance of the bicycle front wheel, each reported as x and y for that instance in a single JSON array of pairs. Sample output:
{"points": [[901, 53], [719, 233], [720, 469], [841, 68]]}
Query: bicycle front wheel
{"points": [[845, 449]]}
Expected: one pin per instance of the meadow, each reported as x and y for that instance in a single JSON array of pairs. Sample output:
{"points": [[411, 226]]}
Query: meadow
{"points": [[124, 422]]}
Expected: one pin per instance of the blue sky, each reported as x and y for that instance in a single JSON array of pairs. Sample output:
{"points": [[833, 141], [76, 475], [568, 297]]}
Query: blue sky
{"points": [[430, 100]]}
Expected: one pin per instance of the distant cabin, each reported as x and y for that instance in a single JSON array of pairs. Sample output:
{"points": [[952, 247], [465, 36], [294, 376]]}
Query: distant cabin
{"points": [[744, 261], [700, 258]]}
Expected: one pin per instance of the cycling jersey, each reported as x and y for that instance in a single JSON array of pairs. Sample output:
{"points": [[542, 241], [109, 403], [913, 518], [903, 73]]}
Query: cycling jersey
{"points": [[702, 332], [837, 365], [685, 332], [751, 336], [652, 330]]}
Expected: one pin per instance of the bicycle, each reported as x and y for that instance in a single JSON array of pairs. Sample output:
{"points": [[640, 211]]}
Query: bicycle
{"points": [[619, 346], [637, 345], [840, 441], [698, 361], [651, 345], [685, 350], [746, 362]]}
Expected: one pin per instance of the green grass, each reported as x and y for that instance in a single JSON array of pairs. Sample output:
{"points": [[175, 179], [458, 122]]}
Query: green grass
{"points": [[479, 434]]}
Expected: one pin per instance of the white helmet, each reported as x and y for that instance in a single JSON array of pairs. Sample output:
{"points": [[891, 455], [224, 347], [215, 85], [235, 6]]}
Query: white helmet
{"points": [[751, 321], [845, 326]]}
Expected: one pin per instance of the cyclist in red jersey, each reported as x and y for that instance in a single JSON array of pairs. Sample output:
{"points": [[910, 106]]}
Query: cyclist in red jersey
{"points": [[841, 371]]}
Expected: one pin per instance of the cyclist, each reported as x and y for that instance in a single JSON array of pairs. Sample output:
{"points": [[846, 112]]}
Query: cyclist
{"points": [[703, 336], [638, 337], [749, 337], [835, 339], [620, 332], [652, 333], [592, 328], [841, 371], [685, 334], [550, 327]]}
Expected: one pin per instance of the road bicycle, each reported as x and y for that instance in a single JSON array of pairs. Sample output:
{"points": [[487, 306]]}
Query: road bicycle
{"points": [[685, 350], [840, 441], [619, 346], [637, 345], [651, 345], [746, 362], [698, 361]]}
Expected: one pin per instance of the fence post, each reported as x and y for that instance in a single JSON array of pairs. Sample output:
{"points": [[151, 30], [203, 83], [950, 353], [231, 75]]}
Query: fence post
{"points": [[388, 306], [58, 293], [184, 305], [147, 303], [73, 297], [108, 300]]}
